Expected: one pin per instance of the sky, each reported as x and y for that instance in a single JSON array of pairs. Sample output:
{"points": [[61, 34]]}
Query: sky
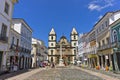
{"points": [[62, 15]]}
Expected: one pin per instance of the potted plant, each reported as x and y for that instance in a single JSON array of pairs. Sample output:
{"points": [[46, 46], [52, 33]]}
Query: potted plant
{"points": [[98, 67], [106, 68]]}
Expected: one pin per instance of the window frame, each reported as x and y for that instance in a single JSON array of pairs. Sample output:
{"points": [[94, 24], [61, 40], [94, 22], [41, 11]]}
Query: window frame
{"points": [[7, 8]]}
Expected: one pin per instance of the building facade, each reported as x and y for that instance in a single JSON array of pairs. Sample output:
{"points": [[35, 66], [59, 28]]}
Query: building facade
{"points": [[13, 57], [115, 44], [24, 54], [92, 54], [69, 49], [39, 52], [6, 10], [82, 57], [102, 28], [102, 42]]}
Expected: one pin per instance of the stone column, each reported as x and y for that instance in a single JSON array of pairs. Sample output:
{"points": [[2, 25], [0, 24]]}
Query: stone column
{"points": [[101, 61], [106, 60], [98, 62], [110, 59]]}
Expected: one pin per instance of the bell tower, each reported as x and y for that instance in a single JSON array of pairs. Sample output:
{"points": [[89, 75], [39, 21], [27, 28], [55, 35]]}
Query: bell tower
{"points": [[74, 42], [51, 45]]}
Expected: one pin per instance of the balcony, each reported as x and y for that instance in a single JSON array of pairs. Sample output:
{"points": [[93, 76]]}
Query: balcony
{"points": [[106, 46], [4, 39], [13, 47]]}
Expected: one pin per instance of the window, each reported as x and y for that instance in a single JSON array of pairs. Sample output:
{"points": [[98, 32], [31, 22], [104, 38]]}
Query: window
{"points": [[106, 23], [3, 31], [74, 44], [6, 8], [102, 26], [74, 52], [17, 42], [51, 44], [51, 59], [99, 28], [119, 30], [108, 40], [115, 38], [74, 37], [51, 52], [51, 37], [103, 42], [12, 40]]}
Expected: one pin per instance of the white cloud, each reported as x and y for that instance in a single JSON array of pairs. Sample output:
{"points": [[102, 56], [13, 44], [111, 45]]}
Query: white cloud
{"points": [[93, 7], [100, 17], [100, 4]]}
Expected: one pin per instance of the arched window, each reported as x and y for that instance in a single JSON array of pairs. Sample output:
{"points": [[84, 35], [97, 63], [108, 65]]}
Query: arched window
{"points": [[51, 37], [74, 52], [51, 44], [74, 37], [115, 38], [51, 59], [51, 52], [119, 30]]}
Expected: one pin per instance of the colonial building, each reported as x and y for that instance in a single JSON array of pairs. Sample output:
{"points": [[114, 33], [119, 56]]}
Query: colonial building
{"points": [[13, 57], [69, 49], [24, 54], [102, 29], [82, 49], [39, 52], [115, 40], [102, 42], [6, 10], [92, 55]]}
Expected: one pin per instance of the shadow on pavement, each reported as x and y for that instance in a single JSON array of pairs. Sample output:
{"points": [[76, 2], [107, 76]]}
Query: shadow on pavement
{"points": [[12, 74]]}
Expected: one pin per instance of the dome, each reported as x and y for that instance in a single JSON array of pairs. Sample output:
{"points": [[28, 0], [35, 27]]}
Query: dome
{"points": [[63, 37]]}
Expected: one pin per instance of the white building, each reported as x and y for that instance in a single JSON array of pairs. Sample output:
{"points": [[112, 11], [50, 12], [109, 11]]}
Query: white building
{"points": [[25, 32], [39, 52], [80, 47], [13, 57], [6, 10]]}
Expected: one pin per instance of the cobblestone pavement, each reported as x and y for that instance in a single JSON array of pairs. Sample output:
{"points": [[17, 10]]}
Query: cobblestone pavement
{"points": [[109, 73], [62, 74]]}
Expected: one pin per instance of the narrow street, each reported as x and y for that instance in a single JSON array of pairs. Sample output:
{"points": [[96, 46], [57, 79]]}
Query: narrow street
{"points": [[67, 73]]}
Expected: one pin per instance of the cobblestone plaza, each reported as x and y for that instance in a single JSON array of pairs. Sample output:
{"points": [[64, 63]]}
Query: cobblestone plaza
{"points": [[66, 73], [62, 74]]}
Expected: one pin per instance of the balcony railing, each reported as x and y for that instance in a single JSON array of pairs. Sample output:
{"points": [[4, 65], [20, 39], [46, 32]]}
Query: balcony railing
{"points": [[4, 39], [106, 46], [13, 47]]}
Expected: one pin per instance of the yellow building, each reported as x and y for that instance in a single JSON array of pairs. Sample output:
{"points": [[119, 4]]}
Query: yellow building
{"points": [[104, 50], [92, 57]]}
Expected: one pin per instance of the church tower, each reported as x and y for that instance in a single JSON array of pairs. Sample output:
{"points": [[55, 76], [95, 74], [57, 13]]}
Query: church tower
{"points": [[51, 45], [74, 42]]}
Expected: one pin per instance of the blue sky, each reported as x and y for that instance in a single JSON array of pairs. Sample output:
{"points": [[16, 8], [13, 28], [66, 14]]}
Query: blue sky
{"points": [[62, 15]]}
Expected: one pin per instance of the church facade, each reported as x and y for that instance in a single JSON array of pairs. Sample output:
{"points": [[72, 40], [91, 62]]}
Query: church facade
{"points": [[69, 49]]}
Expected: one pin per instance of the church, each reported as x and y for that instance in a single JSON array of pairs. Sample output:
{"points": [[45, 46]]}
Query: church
{"points": [[69, 49]]}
